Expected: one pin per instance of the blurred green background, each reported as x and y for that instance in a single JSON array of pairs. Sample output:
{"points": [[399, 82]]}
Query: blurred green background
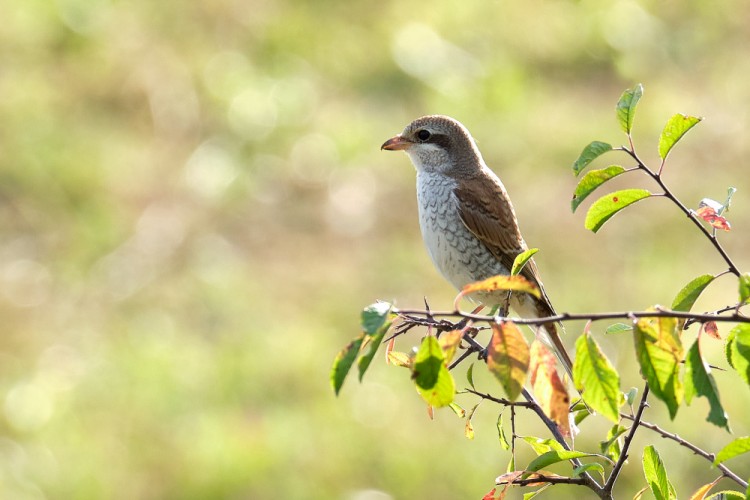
{"points": [[194, 209]]}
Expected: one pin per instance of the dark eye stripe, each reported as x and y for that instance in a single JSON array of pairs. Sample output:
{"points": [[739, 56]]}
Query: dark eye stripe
{"points": [[440, 140]]}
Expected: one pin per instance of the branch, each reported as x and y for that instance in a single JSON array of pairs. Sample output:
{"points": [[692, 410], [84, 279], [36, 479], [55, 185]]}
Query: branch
{"points": [[659, 313], [532, 404], [537, 478], [656, 176], [628, 441], [690, 446]]}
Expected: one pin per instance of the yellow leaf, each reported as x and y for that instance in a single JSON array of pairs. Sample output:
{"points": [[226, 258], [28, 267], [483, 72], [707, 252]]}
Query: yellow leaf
{"points": [[639, 495], [508, 357], [701, 492], [500, 282], [399, 359], [449, 343], [669, 334], [469, 430]]}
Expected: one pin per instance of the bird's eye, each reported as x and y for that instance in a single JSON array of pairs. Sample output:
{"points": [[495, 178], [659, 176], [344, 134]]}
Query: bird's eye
{"points": [[423, 135]]}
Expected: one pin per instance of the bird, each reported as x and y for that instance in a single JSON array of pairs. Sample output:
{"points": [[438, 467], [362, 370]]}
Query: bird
{"points": [[466, 217]]}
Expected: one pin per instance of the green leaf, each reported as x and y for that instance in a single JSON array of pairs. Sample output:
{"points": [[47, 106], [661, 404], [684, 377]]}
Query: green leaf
{"points": [[468, 428], [611, 447], [588, 467], [659, 352], [591, 181], [689, 294], [580, 416], [364, 361], [542, 446], [470, 376], [374, 316], [737, 447], [728, 347], [630, 396], [608, 205], [745, 288], [738, 348], [460, 412], [656, 475], [343, 363], [434, 382], [626, 107], [501, 433], [532, 494], [589, 154], [555, 456], [676, 127], [521, 260], [700, 382], [596, 379], [618, 328]]}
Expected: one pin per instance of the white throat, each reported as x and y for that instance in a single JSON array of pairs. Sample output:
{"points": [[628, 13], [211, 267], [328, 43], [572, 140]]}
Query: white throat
{"points": [[429, 158]]}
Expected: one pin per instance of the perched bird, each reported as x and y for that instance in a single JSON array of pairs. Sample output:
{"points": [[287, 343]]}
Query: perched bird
{"points": [[467, 219]]}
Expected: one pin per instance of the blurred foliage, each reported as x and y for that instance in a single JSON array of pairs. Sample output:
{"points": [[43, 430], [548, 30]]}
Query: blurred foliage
{"points": [[193, 210]]}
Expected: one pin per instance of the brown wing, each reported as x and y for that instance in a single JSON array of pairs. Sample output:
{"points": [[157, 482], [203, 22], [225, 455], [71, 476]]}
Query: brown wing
{"points": [[486, 211]]}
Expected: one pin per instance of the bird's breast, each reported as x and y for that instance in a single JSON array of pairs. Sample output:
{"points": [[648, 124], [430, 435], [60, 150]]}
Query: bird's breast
{"points": [[459, 255]]}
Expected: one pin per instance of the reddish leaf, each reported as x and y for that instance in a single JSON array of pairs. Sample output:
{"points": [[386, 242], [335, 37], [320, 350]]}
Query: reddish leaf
{"points": [[709, 215], [548, 388], [490, 495], [711, 329], [389, 349]]}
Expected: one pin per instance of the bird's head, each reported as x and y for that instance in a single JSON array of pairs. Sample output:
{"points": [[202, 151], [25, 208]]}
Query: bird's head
{"points": [[439, 144]]}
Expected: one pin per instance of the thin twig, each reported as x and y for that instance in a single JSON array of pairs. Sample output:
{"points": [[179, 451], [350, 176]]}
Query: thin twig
{"points": [[690, 446], [513, 434], [532, 404], [656, 176], [468, 352], [502, 401], [717, 312], [628, 441]]}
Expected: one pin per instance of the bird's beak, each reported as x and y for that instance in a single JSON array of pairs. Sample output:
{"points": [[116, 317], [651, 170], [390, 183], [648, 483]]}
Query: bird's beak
{"points": [[396, 143]]}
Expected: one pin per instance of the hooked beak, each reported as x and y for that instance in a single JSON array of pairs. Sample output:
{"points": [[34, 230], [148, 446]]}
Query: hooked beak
{"points": [[396, 143]]}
